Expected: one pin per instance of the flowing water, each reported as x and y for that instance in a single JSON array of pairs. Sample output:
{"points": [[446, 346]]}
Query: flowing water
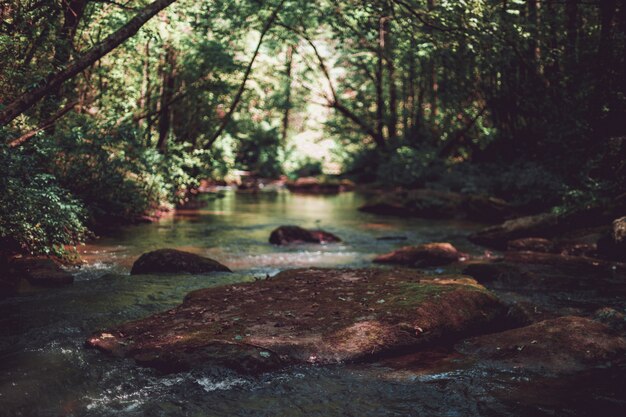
{"points": [[46, 371]]}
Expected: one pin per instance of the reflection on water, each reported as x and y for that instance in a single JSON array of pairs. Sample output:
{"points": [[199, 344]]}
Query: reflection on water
{"points": [[235, 230], [45, 371]]}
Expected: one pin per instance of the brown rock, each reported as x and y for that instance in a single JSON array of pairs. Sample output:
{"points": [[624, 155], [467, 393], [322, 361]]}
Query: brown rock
{"points": [[532, 244], [487, 209], [41, 272], [581, 263], [430, 254], [172, 261], [497, 237], [425, 203], [613, 245], [611, 317], [560, 345], [285, 235], [306, 316], [434, 204]]}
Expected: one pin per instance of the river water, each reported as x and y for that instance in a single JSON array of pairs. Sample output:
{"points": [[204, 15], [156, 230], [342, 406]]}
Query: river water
{"points": [[46, 371]]}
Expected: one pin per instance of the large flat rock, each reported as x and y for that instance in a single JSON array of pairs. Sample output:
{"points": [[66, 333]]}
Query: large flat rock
{"points": [[307, 316]]}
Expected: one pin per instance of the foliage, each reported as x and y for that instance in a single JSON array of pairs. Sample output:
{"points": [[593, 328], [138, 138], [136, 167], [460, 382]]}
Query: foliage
{"points": [[116, 176], [409, 167], [519, 99], [37, 215], [306, 167], [260, 152]]}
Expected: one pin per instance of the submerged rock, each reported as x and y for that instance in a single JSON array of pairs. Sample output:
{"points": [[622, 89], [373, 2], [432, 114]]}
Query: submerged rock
{"points": [[430, 254], [285, 235], [307, 316], [172, 261], [561, 345]]}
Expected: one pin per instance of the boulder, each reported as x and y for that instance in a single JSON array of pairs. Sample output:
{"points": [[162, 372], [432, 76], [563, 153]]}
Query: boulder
{"points": [[172, 261], [557, 285], [561, 345], [613, 245], [41, 272], [430, 254], [550, 271], [37, 272], [497, 237], [616, 320], [285, 235], [304, 316], [582, 264], [486, 209], [424, 203], [9, 283], [434, 204], [532, 244]]}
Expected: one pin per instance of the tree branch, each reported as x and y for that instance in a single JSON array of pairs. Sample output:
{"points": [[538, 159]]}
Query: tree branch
{"points": [[242, 87], [27, 100], [47, 124]]}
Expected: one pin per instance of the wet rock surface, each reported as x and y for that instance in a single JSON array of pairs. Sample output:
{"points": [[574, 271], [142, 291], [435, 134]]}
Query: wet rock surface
{"points": [[285, 235], [172, 261], [37, 272], [560, 345], [307, 316], [427, 255], [550, 285]]}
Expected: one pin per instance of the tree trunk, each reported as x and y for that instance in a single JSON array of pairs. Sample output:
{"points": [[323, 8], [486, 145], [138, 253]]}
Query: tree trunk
{"points": [[73, 11], [27, 100], [144, 94], [167, 91], [391, 79], [287, 104], [380, 99], [434, 85]]}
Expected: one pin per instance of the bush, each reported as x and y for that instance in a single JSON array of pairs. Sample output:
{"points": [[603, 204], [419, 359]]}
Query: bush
{"points": [[306, 167], [37, 216], [410, 167], [260, 152], [117, 177]]}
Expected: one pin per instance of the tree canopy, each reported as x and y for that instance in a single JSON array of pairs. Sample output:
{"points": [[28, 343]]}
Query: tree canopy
{"points": [[118, 107]]}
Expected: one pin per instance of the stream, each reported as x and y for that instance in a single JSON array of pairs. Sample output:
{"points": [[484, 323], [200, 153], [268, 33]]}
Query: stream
{"points": [[46, 371]]}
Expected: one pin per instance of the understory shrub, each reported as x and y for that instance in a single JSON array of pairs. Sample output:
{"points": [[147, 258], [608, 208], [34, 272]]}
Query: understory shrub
{"points": [[37, 215]]}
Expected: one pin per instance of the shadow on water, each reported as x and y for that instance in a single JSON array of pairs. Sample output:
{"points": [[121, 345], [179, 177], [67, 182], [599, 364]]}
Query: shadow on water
{"points": [[45, 370]]}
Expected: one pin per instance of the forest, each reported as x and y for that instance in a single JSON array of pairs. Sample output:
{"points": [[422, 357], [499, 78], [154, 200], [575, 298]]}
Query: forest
{"points": [[436, 178]]}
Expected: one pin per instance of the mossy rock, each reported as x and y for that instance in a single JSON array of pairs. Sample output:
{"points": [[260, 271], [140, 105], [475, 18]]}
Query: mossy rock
{"points": [[307, 316], [172, 261]]}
